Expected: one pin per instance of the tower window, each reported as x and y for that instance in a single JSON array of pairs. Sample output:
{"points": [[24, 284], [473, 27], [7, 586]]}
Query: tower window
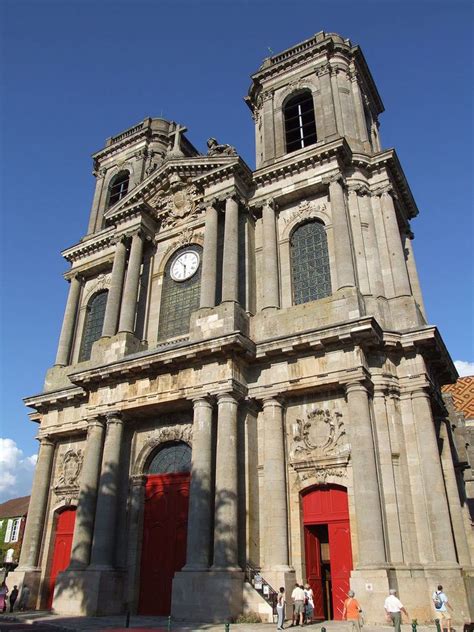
{"points": [[300, 124], [93, 324], [310, 271], [118, 187]]}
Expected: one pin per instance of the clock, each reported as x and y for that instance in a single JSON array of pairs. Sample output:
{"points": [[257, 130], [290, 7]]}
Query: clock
{"points": [[185, 265]]}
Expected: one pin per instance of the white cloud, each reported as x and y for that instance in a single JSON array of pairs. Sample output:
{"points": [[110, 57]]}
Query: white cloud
{"points": [[16, 470], [464, 368]]}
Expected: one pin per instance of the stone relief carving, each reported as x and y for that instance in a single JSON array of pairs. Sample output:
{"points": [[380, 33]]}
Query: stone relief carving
{"points": [[67, 486], [178, 205], [320, 435], [321, 474], [102, 282], [186, 236], [305, 209]]}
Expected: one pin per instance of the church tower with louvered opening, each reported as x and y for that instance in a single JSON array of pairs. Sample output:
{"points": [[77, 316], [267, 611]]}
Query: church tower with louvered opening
{"points": [[246, 391]]}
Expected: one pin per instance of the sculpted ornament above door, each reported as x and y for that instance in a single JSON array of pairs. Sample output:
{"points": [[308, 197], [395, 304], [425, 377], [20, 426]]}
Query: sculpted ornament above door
{"points": [[320, 434]]}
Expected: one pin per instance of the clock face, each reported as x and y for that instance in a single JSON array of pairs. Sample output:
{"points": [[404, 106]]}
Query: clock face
{"points": [[185, 265]]}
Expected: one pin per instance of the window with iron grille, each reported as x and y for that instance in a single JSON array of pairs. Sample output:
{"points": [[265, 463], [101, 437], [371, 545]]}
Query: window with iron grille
{"points": [[300, 124], [93, 324], [178, 299], [118, 187], [171, 458], [311, 275]]}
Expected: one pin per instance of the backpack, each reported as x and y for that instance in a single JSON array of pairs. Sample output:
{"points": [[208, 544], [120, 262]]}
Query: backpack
{"points": [[438, 602]]}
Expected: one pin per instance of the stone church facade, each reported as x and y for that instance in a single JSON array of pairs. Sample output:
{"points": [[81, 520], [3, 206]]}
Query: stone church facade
{"points": [[247, 391]]}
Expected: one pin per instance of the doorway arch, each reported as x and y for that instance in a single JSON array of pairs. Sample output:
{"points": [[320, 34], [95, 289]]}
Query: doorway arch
{"points": [[164, 525], [328, 551]]}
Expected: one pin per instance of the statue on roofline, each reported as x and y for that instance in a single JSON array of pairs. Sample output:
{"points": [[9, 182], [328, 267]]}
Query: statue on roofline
{"points": [[215, 149]]}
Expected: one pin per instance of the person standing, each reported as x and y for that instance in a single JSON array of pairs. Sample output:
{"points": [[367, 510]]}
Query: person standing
{"points": [[308, 603], [13, 597], [441, 605], [281, 608], [24, 598], [394, 608], [298, 605], [3, 597], [351, 611]]}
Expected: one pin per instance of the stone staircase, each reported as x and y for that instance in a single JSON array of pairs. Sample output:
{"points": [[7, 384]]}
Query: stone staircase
{"points": [[258, 595]]}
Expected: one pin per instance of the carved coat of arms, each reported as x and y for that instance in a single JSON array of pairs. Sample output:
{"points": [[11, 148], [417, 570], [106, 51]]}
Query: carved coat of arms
{"points": [[320, 434]]}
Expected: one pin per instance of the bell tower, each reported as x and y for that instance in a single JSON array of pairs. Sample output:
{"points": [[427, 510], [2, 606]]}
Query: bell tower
{"points": [[315, 92]]}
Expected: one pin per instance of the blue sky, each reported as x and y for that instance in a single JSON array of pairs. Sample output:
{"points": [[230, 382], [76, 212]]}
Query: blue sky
{"points": [[77, 71]]}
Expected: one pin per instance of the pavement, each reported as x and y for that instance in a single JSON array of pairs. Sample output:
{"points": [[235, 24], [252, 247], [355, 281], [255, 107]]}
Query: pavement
{"points": [[45, 621]]}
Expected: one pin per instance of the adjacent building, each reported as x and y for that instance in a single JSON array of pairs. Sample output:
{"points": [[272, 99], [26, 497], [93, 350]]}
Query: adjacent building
{"points": [[247, 391], [12, 524]]}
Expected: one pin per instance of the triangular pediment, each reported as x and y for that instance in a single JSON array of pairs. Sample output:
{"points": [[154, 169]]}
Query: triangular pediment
{"points": [[174, 179]]}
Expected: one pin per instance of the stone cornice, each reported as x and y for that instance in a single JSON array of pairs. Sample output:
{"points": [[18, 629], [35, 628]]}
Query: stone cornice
{"points": [[168, 358], [65, 396], [90, 245]]}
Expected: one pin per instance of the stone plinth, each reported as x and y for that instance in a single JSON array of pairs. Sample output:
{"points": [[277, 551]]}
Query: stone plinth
{"points": [[89, 593], [115, 348], [215, 596], [30, 578], [371, 588], [221, 320]]}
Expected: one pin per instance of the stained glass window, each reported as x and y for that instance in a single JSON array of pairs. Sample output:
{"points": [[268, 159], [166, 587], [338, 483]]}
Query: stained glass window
{"points": [[118, 187], [172, 458], [93, 324], [178, 299], [300, 125], [311, 275]]}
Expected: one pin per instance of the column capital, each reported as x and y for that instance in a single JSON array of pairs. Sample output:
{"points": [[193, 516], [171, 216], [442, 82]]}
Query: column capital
{"points": [[420, 391], [138, 480], [113, 417], [203, 401], [385, 190], [270, 202], [46, 440], [355, 385], [335, 177], [95, 422], [274, 401], [119, 239], [228, 398]]}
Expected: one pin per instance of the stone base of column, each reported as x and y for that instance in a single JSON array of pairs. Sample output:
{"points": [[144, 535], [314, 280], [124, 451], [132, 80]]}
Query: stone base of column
{"points": [[207, 596], [30, 578], [222, 320], [110, 349], [56, 378], [89, 593], [458, 586], [371, 588], [405, 313]]}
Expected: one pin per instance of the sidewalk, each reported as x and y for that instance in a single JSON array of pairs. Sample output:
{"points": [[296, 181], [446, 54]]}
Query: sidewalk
{"points": [[59, 623]]}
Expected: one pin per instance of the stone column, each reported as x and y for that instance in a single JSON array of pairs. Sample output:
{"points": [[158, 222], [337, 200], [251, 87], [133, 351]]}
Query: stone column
{"points": [[433, 482], [103, 544], [135, 531], [199, 515], [271, 296], [452, 492], [226, 518], [97, 212], [69, 322], [114, 296], [358, 107], [84, 525], [327, 101], [209, 259], [230, 264], [370, 535], [130, 293], [342, 240], [37, 509], [413, 273], [395, 248], [371, 245], [275, 539]]}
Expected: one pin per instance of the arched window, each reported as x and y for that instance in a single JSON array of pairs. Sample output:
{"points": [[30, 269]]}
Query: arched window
{"points": [[310, 271], [300, 124], [118, 187], [171, 459], [181, 290], [93, 323]]}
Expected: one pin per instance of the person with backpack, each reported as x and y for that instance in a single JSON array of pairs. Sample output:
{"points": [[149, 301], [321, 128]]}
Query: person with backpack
{"points": [[441, 605]]}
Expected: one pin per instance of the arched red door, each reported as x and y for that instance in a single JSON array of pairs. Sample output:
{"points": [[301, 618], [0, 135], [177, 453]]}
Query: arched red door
{"points": [[164, 540], [62, 547], [328, 551]]}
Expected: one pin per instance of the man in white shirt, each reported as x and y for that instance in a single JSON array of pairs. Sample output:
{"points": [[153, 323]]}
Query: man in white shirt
{"points": [[394, 608], [441, 605], [298, 604]]}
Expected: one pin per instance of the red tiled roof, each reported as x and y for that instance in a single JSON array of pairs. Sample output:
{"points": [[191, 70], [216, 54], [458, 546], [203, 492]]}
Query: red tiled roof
{"points": [[15, 507], [463, 395]]}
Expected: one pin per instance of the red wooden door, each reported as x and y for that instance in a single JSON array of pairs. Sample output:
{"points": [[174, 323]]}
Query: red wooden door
{"points": [[328, 505], [164, 540], [62, 547], [313, 569], [341, 563]]}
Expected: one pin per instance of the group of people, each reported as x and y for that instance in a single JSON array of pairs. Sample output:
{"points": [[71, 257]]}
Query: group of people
{"points": [[23, 601], [303, 608]]}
